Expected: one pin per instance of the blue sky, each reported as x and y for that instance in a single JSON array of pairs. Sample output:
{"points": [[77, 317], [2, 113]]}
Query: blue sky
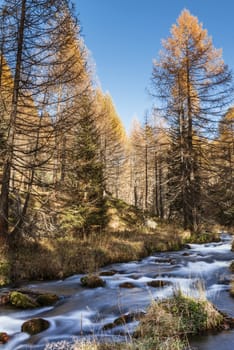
{"points": [[125, 35]]}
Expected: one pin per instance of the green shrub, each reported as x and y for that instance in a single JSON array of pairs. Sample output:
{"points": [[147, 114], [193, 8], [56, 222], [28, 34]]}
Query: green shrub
{"points": [[172, 320]]}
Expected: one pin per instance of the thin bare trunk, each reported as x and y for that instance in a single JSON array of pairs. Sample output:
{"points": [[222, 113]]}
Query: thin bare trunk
{"points": [[4, 197]]}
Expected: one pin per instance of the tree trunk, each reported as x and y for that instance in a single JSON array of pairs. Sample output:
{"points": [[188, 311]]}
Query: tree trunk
{"points": [[4, 197]]}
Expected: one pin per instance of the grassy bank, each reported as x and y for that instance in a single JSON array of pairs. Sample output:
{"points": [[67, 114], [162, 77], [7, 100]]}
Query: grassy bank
{"points": [[64, 256], [127, 236]]}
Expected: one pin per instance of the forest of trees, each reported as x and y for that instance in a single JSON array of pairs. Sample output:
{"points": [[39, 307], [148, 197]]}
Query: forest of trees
{"points": [[64, 149]]}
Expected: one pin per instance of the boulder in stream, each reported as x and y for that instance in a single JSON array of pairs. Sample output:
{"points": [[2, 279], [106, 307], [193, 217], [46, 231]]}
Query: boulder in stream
{"points": [[4, 338], [165, 261], [108, 273], [4, 299], [127, 285], [186, 246], [22, 301], [27, 299], [185, 254], [123, 319], [47, 299], [92, 281], [135, 276], [35, 325], [158, 283]]}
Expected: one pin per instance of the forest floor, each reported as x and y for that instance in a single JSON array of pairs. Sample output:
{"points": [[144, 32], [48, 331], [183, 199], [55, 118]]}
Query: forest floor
{"points": [[129, 235]]}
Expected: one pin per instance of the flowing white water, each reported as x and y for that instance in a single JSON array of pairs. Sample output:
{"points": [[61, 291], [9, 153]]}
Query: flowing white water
{"points": [[80, 311]]}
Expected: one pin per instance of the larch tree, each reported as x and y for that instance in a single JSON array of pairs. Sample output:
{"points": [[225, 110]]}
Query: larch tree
{"points": [[160, 165], [222, 185], [142, 151], [194, 86], [6, 85], [137, 165], [30, 44], [71, 90], [113, 145]]}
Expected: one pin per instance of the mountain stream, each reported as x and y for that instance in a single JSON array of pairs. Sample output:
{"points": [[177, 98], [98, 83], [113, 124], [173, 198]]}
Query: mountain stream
{"points": [[83, 313]]}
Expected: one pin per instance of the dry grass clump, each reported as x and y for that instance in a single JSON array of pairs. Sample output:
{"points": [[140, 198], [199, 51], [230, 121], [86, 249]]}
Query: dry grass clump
{"points": [[231, 291], [174, 319], [231, 267], [4, 270], [160, 329]]}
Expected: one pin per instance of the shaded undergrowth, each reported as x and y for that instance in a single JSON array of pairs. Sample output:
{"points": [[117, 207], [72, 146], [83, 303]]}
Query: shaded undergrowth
{"points": [[126, 237]]}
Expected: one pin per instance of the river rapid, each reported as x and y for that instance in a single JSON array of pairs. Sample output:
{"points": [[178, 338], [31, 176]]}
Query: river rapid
{"points": [[82, 312]]}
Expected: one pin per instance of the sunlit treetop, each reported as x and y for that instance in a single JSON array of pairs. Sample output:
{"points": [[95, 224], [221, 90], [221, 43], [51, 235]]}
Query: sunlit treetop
{"points": [[188, 38]]}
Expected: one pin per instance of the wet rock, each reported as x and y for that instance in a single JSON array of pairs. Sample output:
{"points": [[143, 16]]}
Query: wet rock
{"points": [[22, 301], [123, 319], [134, 277], [173, 262], [186, 254], [27, 299], [92, 281], [158, 283], [47, 299], [230, 322], [186, 246], [126, 285], [225, 279], [4, 338], [108, 273], [35, 325], [4, 299], [227, 325], [165, 261]]}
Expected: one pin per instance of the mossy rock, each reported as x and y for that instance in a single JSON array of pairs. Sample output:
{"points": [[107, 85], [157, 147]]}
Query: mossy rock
{"points": [[47, 299], [92, 281], [22, 301], [4, 337], [35, 325], [158, 283]]}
